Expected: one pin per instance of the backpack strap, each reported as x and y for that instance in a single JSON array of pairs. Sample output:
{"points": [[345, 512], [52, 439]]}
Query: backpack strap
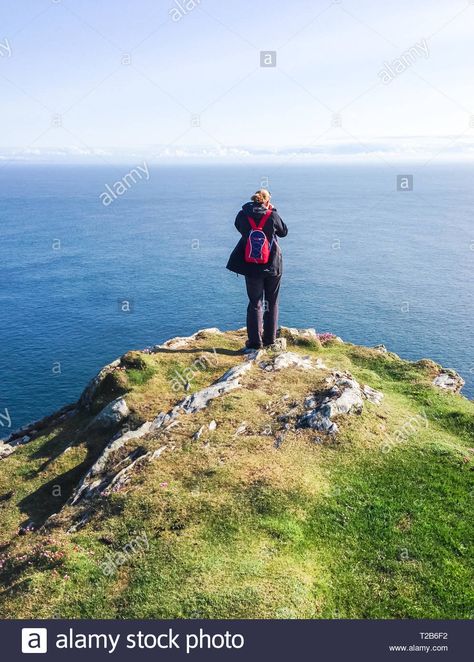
{"points": [[265, 218]]}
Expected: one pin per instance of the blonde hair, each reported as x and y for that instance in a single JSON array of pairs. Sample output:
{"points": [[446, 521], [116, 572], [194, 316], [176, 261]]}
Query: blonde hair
{"points": [[261, 196]]}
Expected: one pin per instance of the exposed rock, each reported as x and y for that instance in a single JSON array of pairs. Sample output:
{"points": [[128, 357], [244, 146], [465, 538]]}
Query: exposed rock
{"points": [[175, 343], [212, 425], [236, 372], [310, 402], [284, 418], [122, 477], [111, 415], [201, 399], [195, 402], [381, 348], [156, 454], [89, 393], [133, 459], [192, 403], [299, 336], [171, 425], [6, 450], [253, 354], [94, 480], [443, 378], [182, 341], [241, 429], [28, 432], [198, 433], [291, 360], [292, 332], [114, 482], [372, 395], [279, 345], [209, 331], [82, 521], [318, 419], [346, 396], [449, 380]]}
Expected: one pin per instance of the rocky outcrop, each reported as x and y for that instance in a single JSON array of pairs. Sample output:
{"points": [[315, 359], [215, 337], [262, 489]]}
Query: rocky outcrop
{"points": [[308, 336], [183, 341], [449, 380], [111, 415], [340, 395], [199, 400], [29, 432], [131, 359], [89, 393], [97, 477], [279, 345], [112, 483], [445, 379], [124, 476], [370, 394], [381, 348], [346, 396], [5, 450], [105, 476], [111, 471], [291, 360], [299, 336]]}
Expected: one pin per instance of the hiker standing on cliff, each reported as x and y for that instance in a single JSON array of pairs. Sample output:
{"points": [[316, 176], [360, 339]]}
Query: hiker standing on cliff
{"points": [[257, 256]]}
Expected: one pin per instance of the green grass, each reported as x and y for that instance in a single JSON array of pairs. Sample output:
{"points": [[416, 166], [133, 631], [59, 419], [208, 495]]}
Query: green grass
{"points": [[239, 529], [140, 377]]}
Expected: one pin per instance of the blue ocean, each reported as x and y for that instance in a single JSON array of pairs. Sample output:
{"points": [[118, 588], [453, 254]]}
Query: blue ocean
{"points": [[362, 260]]}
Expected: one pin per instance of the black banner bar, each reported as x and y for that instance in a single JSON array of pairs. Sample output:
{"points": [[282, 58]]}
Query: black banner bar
{"points": [[202, 641]]}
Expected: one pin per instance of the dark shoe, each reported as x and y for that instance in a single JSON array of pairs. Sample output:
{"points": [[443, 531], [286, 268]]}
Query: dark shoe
{"points": [[249, 345]]}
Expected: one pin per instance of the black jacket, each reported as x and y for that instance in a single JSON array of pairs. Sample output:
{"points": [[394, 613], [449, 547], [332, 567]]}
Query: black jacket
{"points": [[273, 228]]}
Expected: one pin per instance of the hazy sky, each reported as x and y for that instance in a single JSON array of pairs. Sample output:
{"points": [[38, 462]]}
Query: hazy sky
{"points": [[122, 75]]}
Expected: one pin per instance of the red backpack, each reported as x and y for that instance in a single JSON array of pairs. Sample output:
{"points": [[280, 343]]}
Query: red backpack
{"points": [[257, 249]]}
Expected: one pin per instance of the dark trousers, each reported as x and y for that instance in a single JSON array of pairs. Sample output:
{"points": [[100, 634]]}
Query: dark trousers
{"points": [[262, 324]]}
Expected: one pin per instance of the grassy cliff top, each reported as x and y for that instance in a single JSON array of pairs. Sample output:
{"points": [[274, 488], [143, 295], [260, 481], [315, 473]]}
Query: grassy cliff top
{"points": [[237, 509]]}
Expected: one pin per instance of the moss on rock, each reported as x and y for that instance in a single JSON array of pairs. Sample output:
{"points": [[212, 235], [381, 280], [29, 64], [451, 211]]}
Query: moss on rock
{"points": [[134, 360]]}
